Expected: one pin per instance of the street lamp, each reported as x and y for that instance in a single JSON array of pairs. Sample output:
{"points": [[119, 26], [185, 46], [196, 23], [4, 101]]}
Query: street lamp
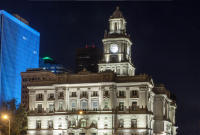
{"points": [[5, 117], [80, 112]]}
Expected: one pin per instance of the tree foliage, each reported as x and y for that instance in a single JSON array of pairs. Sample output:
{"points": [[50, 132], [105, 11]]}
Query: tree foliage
{"points": [[18, 118]]}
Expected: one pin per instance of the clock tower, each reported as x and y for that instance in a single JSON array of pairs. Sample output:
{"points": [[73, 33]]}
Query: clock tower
{"points": [[117, 47]]}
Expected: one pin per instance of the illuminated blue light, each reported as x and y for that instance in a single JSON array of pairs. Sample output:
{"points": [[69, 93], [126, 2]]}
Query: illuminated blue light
{"points": [[19, 50]]}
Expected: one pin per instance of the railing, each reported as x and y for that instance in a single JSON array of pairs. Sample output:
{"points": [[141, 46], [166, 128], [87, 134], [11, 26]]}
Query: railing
{"points": [[73, 95], [94, 95], [106, 95], [51, 98], [134, 96], [61, 97], [39, 98], [121, 96], [83, 96]]}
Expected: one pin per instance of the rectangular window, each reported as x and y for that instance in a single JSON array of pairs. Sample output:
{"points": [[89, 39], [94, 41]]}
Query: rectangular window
{"points": [[73, 94], [51, 108], [50, 124], [134, 123], [61, 95], [121, 106], [39, 97], [121, 94], [134, 106], [95, 105], [73, 105], [106, 94], [84, 105], [83, 123], [51, 96], [39, 108], [60, 106], [134, 93], [38, 124], [95, 93]]}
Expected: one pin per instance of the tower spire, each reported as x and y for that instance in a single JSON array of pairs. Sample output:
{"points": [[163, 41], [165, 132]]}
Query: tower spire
{"points": [[117, 14]]}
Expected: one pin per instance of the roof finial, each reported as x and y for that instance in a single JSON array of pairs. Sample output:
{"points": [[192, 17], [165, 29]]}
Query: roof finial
{"points": [[117, 8]]}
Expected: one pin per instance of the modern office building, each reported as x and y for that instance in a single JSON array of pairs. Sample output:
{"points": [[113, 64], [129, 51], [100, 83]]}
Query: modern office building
{"points": [[47, 63], [114, 101], [88, 58], [19, 45]]}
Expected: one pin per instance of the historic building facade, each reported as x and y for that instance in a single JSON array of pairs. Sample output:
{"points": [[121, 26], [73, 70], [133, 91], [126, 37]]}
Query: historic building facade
{"points": [[114, 101]]}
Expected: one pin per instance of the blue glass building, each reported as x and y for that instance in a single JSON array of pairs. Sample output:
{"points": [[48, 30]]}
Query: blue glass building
{"points": [[19, 50]]}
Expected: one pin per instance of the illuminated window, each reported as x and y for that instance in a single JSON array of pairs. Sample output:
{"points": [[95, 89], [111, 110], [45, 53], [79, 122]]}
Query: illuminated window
{"points": [[84, 105], [95, 105], [73, 105], [83, 123], [106, 105], [60, 106]]}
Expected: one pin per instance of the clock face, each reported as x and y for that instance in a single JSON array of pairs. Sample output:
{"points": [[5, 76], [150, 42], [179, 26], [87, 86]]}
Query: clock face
{"points": [[114, 48]]}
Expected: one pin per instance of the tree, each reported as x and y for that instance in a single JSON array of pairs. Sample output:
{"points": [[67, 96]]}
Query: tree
{"points": [[18, 118]]}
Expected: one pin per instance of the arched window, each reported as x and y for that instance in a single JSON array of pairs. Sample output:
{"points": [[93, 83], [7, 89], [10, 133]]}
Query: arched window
{"points": [[84, 105], [83, 123]]}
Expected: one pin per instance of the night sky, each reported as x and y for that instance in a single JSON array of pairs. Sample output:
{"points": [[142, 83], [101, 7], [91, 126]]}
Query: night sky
{"points": [[166, 38]]}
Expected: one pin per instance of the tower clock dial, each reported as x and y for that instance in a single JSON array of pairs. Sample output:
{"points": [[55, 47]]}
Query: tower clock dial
{"points": [[114, 48]]}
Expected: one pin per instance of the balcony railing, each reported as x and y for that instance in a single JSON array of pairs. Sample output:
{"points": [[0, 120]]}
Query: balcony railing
{"points": [[61, 97], [73, 95], [39, 99], [51, 98], [83, 96], [94, 95], [106, 95], [121, 96], [134, 96]]}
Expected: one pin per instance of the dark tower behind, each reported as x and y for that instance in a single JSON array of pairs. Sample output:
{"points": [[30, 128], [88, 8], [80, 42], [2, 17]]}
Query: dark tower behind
{"points": [[88, 58]]}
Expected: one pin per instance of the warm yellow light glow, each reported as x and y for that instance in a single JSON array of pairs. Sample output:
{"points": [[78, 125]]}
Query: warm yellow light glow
{"points": [[80, 112], [5, 116]]}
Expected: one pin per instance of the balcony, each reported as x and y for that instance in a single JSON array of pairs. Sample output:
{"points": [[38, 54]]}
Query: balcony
{"points": [[106, 96], [73, 95], [39, 99], [83, 96], [61, 97], [121, 96], [94, 95], [51, 98], [134, 96]]}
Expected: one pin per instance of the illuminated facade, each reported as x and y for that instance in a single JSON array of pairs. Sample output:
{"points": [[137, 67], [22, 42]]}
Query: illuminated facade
{"points": [[19, 45], [113, 101]]}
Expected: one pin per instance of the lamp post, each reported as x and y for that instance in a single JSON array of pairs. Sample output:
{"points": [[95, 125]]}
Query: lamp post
{"points": [[5, 117]]}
